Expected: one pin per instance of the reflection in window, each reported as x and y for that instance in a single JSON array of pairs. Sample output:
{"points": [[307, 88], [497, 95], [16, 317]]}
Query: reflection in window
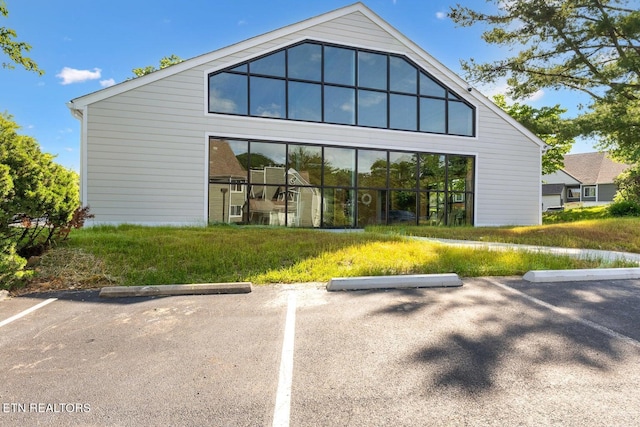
{"points": [[305, 101], [228, 93], [379, 90], [432, 115], [403, 75], [372, 207], [339, 65], [403, 112], [429, 87], [306, 160], [267, 97], [339, 166], [372, 168], [402, 208], [312, 186], [460, 173], [432, 171], [402, 170], [338, 207], [372, 70], [460, 119], [271, 65], [304, 62], [372, 108], [304, 205], [339, 105]]}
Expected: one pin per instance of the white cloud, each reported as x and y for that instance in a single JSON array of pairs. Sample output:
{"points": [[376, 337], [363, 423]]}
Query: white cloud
{"points": [[71, 75], [242, 22], [441, 15], [535, 96], [502, 88], [107, 83], [68, 149]]}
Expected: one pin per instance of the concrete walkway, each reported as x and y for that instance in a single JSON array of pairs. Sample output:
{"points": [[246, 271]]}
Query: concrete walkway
{"points": [[576, 253]]}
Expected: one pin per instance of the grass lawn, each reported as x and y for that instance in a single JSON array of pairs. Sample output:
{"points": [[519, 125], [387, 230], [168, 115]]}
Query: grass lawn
{"points": [[615, 234], [133, 255]]}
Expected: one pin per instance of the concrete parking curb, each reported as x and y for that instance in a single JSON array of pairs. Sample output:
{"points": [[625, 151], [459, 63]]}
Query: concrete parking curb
{"points": [[582, 275], [170, 290], [394, 282]]}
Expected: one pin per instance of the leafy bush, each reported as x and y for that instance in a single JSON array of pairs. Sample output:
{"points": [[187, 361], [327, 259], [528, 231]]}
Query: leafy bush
{"points": [[624, 208], [38, 199]]}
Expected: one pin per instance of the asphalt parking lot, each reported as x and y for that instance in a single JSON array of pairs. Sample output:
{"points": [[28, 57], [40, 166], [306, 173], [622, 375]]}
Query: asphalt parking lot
{"points": [[497, 351]]}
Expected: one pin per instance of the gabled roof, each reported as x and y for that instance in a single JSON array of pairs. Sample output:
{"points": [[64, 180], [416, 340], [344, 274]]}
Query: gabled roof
{"points": [[77, 105], [593, 168], [225, 162]]}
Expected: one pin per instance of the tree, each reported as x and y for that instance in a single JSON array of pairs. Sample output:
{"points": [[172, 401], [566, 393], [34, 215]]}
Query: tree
{"points": [[592, 46], [628, 183], [14, 49], [547, 124], [165, 62]]}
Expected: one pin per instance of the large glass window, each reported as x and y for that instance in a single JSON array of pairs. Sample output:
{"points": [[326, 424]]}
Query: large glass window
{"points": [[339, 167], [402, 170], [302, 185], [372, 70], [339, 66], [305, 62], [339, 105], [271, 65], [306, 161], [228, 93], [433, 113], [372, 168], [403, 112], [460, 119], [403, 75], [305, 101], [319, 82], [267, 97], [372, 108]]}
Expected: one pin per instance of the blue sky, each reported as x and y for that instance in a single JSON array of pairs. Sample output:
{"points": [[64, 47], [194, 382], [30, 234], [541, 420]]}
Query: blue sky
{"points": [[85, 45]]}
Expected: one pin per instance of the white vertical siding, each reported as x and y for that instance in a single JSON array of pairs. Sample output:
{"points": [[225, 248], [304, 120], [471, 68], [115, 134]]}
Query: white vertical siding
{"points": [[146, 147]]}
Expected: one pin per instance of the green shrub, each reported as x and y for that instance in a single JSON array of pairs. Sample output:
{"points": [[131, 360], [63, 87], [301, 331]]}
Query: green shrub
{"points": [[11, 266], [38, 201], [624, 208]]}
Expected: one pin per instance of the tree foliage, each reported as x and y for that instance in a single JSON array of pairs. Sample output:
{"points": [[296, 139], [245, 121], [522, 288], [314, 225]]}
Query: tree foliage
{"points": [[38, 198], [14, 49], [547, 124], [592, 46], [165, 62]]}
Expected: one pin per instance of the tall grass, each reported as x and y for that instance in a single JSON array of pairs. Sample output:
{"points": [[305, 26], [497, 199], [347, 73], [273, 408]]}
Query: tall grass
{"points": [[133, 255]]}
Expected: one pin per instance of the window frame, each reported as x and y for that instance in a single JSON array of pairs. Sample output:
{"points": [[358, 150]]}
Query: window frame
{"points": [[353, 186], [449, 97], [588, 189]]}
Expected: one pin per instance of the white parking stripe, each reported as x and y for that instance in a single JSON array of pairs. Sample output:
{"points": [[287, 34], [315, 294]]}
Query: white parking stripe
{"points": [[282, 411], [27, 311], [566, 313]]}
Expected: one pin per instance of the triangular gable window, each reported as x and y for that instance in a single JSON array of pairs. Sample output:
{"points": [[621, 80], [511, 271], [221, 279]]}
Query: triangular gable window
{"points": [[326, 83]]}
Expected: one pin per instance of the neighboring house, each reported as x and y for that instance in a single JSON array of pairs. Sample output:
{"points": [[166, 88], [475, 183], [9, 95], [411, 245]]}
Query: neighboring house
{"points": [[586, 178], [335, 121]]}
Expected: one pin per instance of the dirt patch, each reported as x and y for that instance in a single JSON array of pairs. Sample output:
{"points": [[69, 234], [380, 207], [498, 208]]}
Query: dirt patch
{"points": [[66, 268]]}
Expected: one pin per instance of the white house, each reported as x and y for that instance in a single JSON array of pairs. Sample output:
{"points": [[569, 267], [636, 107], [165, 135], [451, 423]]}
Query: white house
{"points": [[335, 121]]}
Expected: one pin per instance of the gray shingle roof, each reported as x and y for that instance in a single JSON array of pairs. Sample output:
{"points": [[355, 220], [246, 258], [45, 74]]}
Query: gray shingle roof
{"points": [[593, 168]]}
